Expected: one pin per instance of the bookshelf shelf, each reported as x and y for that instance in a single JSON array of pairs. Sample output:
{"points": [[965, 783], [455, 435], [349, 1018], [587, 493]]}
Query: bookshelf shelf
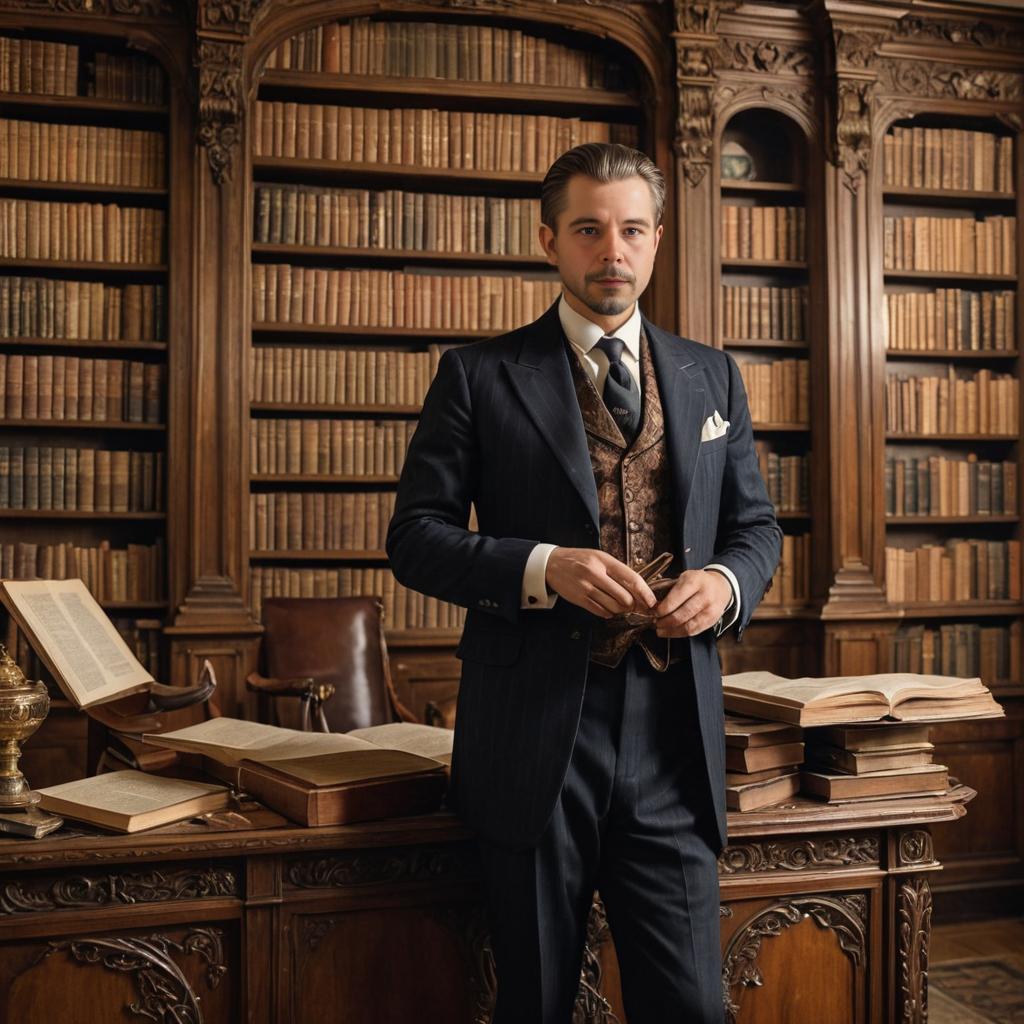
{"points": [[766, 343], [356, 333], [56, 189], [85, 344], [318, 556], [969, 609], [775, 612], [324, 254], [952, 354], [134, 606], [337, 172], [82, 425], [29, 103], [778, 428], [397, 410], [940, 277], [946, 196], [63, 268], [36, 513], [947, 520], [962, 438], [737, 187], [422, 637], [318, 478], [762, 266], [323, 87]]}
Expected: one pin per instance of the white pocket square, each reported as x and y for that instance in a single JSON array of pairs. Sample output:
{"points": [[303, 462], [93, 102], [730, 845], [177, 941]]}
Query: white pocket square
{"points": [[714, 426]]}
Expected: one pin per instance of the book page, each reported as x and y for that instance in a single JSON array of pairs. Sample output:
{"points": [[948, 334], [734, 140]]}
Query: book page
{"points": [[345, 766], [129, 792], [75, 639], [425, 740]]}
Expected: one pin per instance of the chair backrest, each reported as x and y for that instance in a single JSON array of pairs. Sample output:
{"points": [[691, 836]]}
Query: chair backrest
{"points": [[337, 640]]}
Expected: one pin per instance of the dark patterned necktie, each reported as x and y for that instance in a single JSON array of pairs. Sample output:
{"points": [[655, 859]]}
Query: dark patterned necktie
{"points": [[621, 394]]}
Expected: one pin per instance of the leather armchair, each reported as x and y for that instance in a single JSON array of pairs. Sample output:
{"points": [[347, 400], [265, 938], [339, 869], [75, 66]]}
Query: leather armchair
{"points": [[330, 654]]}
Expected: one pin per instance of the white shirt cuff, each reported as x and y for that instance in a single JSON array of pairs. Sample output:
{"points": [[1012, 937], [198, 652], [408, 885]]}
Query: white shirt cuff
{"points": [[732, 609], [535, 592]]}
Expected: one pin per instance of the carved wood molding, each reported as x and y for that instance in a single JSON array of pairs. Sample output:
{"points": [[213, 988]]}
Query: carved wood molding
{"points": [[164, 991], [157, 9], [798, 854], [940, 80], [914, 916], [72, 892], [980, 34], [591, 1006], [777, 94], [915, 847], [764, 57], [696, 46], [846, 915], [372, 867], [219, 68]]}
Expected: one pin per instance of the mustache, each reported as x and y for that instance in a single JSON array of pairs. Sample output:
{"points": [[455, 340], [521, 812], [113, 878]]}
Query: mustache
{"points": [[605, 275]]}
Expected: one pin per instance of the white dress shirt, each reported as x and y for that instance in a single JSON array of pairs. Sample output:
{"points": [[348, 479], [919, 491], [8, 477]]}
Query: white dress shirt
{"points": [[583, 335]]}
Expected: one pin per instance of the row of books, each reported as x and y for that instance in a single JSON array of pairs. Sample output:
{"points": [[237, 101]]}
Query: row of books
{"points": [[312, 521], [395, 219], [764, 232], [950, 318], [415, 137], [80, 232], [461, 53], [395, 298], [750, 311], [40, 67], [142, 635], [778, 391], [338, 447], [792, 581], [45, 307], [958, 570], [133, 573], [38, 478], [960, 649], [935, 485], [983, 402], [787, 478], [71, 388], [951, 244], [403, 608], [340, 376], [949, 158], [80, 153]]}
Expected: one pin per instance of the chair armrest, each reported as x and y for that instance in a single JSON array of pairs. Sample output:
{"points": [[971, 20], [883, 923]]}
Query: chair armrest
{"points": [[299, 686]]}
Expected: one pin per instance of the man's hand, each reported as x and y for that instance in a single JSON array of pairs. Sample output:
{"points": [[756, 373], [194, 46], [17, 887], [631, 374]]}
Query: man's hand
{"points": [[696, 602], [596, 581]]}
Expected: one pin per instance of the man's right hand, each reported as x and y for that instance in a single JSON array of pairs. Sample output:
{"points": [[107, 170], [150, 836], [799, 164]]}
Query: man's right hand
{"points": [[596, 581]]}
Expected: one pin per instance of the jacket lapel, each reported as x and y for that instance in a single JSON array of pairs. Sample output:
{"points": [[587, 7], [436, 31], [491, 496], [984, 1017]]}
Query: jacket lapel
{"points": [[683, 396], [543, 382]]}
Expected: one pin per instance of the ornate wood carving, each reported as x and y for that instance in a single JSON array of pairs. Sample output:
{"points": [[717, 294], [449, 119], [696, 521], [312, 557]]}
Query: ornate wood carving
{"points": [[468, 924], [101, 8], [316, 929], [764, 56], [69, 892], [915, 847], [696, 45], [914, 916], [164, 991], [846, 915], [981, 34], [798, 854], [219, 66], [591, 1006], [930, 79], [234, 16], [372, 867]]}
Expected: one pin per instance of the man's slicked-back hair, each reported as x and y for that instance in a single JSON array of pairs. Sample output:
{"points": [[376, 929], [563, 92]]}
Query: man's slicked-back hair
{"points": [[603, 162]]}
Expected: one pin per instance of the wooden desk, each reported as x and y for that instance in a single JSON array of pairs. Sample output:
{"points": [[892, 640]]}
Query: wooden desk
{"points": [[825, 917]]}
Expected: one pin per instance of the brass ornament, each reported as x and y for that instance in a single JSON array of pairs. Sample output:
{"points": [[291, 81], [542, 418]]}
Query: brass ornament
{"points": [[23, 707]]}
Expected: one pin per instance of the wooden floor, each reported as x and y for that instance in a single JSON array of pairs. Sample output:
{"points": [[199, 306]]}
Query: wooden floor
{"points": [[976, 973]]}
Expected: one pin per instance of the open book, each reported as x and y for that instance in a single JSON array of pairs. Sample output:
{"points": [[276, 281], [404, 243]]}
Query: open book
{"points": [[75, 639], [129, 801], [835, 700]]}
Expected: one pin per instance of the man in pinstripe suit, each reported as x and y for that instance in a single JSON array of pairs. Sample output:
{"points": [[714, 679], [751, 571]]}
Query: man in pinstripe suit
{"points": [[589, 745]]}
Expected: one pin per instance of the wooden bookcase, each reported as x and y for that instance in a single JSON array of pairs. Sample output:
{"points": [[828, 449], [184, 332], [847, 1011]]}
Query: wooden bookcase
{"points": [[84, 200], [476, 220]]}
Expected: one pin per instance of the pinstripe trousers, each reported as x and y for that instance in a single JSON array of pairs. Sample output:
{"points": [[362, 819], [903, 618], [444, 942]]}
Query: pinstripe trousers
{"points": [[630, 822]]}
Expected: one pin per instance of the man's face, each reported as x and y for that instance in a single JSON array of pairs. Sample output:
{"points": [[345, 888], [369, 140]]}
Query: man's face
{"points": [[605, 245]]}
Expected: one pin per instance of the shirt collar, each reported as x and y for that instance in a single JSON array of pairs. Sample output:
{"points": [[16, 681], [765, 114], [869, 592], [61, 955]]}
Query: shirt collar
{"points": [[584, 334]]}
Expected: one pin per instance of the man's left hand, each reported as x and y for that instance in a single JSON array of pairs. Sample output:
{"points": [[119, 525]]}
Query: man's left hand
{"points": [[697, 600]]}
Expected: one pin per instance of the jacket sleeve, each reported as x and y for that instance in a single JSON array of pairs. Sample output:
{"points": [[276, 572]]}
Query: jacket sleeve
{"points": [[428, 543], [749, 540]]}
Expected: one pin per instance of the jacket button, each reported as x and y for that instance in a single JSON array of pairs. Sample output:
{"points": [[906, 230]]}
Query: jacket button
{"points": [[575, 635]]}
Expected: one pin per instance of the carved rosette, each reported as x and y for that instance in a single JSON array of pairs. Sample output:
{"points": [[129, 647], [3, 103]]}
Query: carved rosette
{"points": [[71, 892], [696, 46], [164, 991], [373, 867], [846, 915], [219, 67], [798, 854], [915, 847], [914, 916]]}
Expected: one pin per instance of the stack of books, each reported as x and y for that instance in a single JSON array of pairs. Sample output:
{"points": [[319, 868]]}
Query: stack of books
{"points": [[847, 764], [762, 761]]}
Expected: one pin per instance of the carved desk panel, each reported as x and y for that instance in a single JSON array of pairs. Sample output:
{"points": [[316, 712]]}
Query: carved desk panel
{"points": [[822, 908]]}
